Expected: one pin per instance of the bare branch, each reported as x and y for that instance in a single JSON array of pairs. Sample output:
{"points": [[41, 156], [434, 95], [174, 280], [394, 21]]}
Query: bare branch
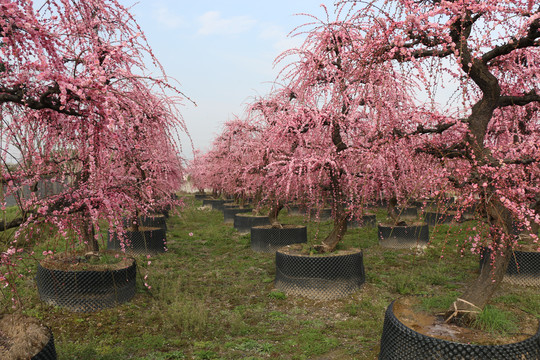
{"points": [[524, 42], [519, 100]]}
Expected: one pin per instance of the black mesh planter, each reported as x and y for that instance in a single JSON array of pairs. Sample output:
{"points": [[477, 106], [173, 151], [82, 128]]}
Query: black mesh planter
{"points": [[157, 221], [319, 277], [86, 290], [230, 212], [294, 210], [214, 203], [407, 212], [367, 221], [399, 342], [145, 241], [320, 214], [403, 237], [268, 239], [523, 268], [437, 218], [243, 222], [48, 352]]}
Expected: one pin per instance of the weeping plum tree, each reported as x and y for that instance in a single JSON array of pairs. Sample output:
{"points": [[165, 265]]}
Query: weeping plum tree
{"points": [[223, 167], [332, 121], [78, 108], [487, 137]]}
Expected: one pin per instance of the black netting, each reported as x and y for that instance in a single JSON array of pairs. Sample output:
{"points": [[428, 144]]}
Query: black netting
{"points": [[402, 237], [436, 218], [84, 291], [48, 352], [399, 342], [294, 210], [267, 239], [319, 277], [230, 212], [148, 241], [200, 196], [407, 212], [320, 214], [244, 222], [367, 221], [158, 221], [523, 268], [215, 203]]}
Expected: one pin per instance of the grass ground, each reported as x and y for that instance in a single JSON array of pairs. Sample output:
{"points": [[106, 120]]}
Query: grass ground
{"points": [[212, 297]]}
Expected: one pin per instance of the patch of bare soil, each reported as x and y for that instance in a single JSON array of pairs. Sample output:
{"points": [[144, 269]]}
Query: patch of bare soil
{"points": [[305, 250], [406, 310], [21, 337], [83, 261]]}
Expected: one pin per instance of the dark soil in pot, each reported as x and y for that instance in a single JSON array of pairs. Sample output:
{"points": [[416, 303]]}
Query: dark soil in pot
{"points": [[78, 283], [23, 337], [320, 277], [410, 333], [268, 239]]}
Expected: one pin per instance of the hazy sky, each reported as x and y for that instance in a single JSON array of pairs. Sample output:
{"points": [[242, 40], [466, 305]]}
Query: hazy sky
{"points": [[221, 52]]}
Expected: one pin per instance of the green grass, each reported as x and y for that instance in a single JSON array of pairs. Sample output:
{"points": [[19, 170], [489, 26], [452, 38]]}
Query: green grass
{"points": [[494, 320], [212, 297]]}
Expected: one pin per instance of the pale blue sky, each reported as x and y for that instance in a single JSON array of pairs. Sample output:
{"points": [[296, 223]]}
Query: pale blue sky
{"points": [[221, 52]]}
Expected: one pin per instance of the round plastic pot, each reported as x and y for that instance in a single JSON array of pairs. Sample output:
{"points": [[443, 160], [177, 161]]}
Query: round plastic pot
{"points": [[48, 352], [319, 277], [267, 239], [243, 222], [147, 241], [86, 290], [367, 221], [229, 213], [401, 342], [403, 237], [523, 268]]}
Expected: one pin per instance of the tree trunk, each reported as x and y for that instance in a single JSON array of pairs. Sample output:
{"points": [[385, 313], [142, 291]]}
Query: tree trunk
{"points": [[274, 213], [484, 286], [88, 233], [332, 240], [491, 275]]}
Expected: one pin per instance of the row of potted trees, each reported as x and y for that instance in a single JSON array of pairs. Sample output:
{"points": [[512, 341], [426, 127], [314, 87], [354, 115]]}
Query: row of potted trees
{"points": [[343, 125]]}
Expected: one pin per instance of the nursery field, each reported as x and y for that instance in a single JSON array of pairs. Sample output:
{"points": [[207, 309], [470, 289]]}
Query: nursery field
{"points": [[212, 297]]}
